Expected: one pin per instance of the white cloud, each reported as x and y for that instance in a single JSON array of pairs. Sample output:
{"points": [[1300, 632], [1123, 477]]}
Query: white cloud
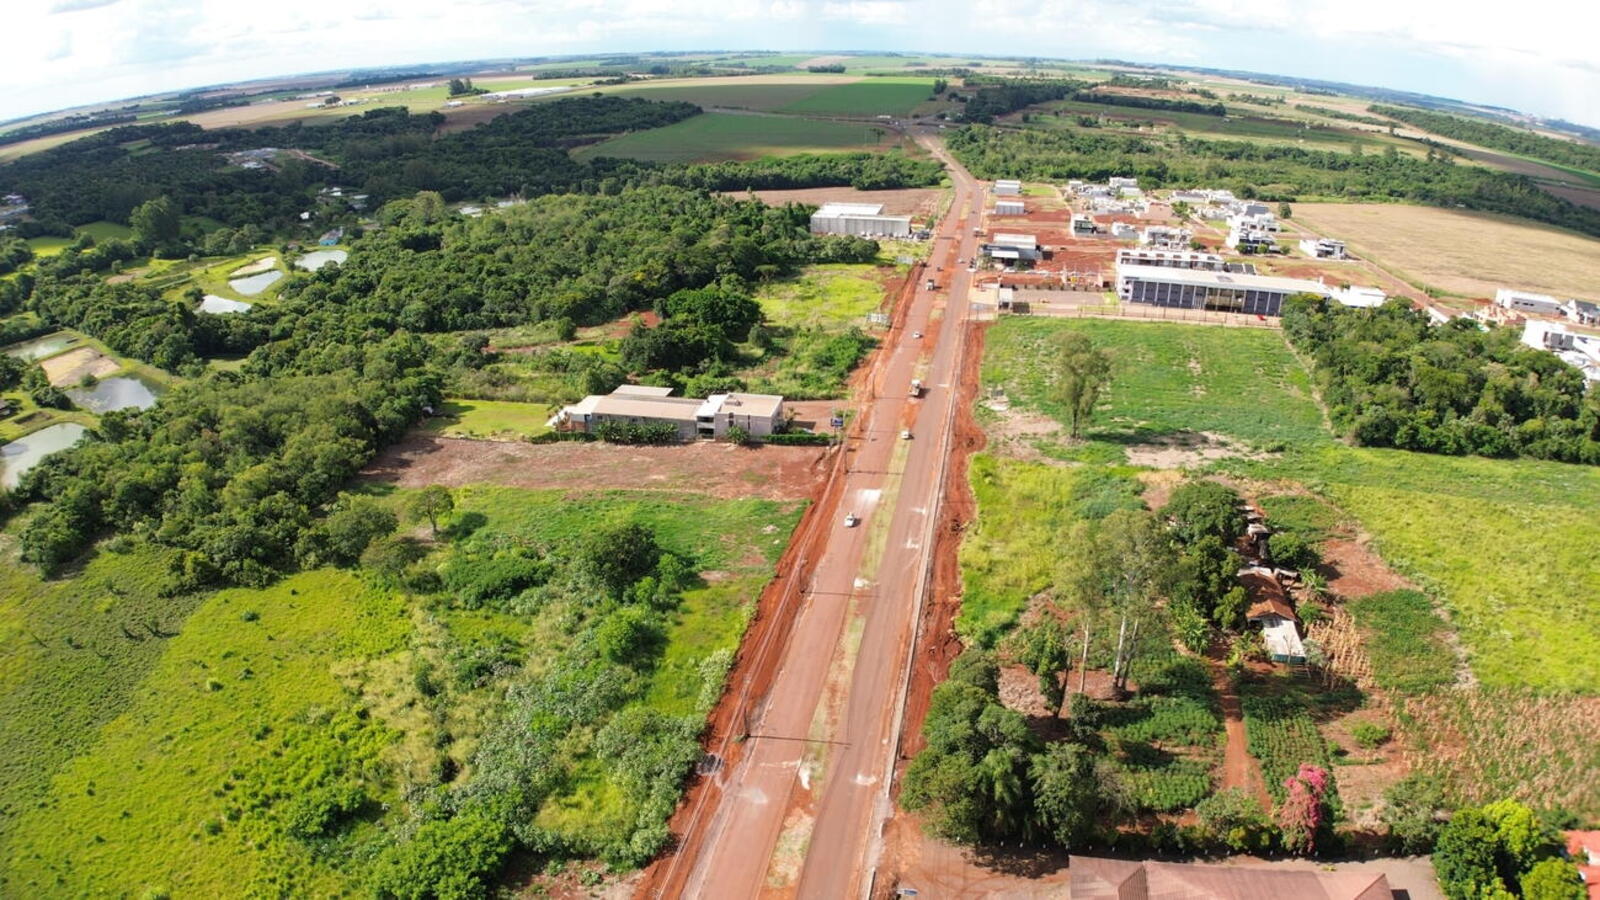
{"points": [[1534, 57]]}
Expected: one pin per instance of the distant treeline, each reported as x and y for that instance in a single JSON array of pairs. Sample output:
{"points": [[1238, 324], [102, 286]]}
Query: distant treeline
{"points": [[1329, 112], [996, 96], [388, 153], [1498, 137], [1390, 378], [1269, 172], [1141, 102], [63, 125]]}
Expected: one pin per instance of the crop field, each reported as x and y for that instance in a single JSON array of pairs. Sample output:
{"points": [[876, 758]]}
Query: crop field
{"points": [[869, 97], [495, 419], [765, 93], [159, 720], [720, 136], [1167, 378], [1462, 252], [1254, 128]]}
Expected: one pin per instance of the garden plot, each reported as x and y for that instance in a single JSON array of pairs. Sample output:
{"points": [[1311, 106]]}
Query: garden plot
{"points": [[71, 368]]}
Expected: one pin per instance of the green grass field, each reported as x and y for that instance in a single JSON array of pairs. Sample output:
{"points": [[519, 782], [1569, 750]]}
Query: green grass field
{"points": [[870, 97], [143, 719], [754, 92], [1256, 128], [102, 230], [721, 136], [823, 296], [495, 419], [1167, 378]]}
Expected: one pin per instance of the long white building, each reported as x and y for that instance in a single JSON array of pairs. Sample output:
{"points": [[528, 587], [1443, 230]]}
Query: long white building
{"points": [[862, 219], [1238, 292]]}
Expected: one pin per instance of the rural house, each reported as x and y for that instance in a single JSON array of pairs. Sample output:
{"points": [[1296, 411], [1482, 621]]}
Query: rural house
{"points": [[1269, 608]]}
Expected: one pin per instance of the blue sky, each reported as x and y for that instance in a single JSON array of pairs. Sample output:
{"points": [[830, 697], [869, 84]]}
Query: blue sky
{"points": [[1538, 56]]}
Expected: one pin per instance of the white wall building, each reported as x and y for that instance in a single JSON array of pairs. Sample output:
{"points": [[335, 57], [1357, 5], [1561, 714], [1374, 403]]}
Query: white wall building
{"points": [[863, 219], [1525, 301], [1123, 231], [1119, 182], [1010, 208], [1323, 248], [1177, 259], [1360, 297], [1580, 351], [1008, 187], [1238, 292]]}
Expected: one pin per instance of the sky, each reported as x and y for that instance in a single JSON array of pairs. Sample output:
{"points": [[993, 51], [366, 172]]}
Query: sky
{"points": [[1537, 56]]}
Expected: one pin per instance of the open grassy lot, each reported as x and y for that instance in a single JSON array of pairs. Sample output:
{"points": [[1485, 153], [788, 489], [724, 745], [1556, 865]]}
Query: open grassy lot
{"points": [[1462, 252], [869, 97], [496, 419], [181, 709], [1167, 379], [818, 328], [1506, 544], [720, 136], [823, 296]]}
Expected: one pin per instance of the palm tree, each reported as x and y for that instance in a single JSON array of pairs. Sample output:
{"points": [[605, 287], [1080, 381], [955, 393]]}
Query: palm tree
{"points": [[998, 768]]}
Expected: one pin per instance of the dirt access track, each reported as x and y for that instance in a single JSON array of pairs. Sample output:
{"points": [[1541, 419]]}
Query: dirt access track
{"points": [[719, 470]]}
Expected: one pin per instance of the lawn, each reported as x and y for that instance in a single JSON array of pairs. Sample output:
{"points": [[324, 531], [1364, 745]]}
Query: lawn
{"points": [[103, 230], [1460, 251], [1167, 378], [869, 97], [49, 245], [722, 136], [493, 419]]}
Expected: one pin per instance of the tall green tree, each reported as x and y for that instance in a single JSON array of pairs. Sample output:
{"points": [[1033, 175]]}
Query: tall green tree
{"points": [[156, 223], [433, 503], [1081, 375]]}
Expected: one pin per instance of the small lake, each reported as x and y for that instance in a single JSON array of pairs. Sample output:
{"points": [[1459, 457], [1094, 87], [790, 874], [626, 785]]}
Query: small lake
{"points": [[220, 305], [316, 259], [255, 284], [40, 347], [22, 454], [114, 393]]}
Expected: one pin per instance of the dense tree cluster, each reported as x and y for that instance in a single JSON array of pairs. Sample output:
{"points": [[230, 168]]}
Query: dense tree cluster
{"points": [[1391, 378], [1498, 137], [234, 471], [995, 96], [1266, 171], [1502, 849], [863, 171], [1141, 101]]}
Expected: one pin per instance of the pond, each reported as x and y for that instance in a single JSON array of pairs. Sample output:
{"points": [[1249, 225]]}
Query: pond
{"points": [[255, 284], [40, 347], [24, 453], [114, 393], [220, 305], [316, 259]]}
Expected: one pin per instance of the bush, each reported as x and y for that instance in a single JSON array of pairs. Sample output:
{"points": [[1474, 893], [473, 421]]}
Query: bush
{"points": [[1233, 820], [800, 439], [488, 582], [642, 433], [1288, 550], [1370, 735], [1201, 508], [446, 858]]}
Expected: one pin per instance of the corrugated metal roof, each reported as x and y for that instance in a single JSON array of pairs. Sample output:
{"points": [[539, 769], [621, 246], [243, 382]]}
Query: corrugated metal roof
{"points": [[1208, 278]]}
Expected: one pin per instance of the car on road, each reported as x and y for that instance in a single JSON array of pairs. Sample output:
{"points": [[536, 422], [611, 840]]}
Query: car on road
{"points": [[916, 334], [850, 520], [905, 434]]}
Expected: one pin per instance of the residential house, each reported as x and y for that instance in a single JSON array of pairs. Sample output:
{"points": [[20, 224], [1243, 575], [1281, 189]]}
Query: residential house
{"points": [[1099, 878], [759, 415], [1270, 608], [1528, 302]]}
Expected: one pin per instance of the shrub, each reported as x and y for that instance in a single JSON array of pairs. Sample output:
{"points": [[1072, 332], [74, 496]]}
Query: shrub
{"points": [[641, 433], [1414, 810], [1370, 735], [1232, 819], [1201, 508], [445, 858], [486, 582]]}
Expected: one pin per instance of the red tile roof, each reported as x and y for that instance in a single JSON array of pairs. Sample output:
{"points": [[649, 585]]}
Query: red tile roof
{"points": [[1095, 878], [1584, 846], [1266, 595]]}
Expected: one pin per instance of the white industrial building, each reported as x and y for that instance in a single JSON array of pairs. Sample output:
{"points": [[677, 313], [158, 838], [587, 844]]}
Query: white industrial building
{"points": [[1123, 231], [1010, 208], [1208, 289], [1166, 237], [1008, 187], [1083, 224], [862, 219], [1119, 182], [1013, 247], [759, 415], [1524, 301], [1323, 248]]}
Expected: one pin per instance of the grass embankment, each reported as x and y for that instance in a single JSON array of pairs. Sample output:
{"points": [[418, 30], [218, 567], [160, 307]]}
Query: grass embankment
{"points": [[153, 747]]}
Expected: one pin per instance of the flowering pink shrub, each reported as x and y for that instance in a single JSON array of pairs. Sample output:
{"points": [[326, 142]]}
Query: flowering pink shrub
{"points": [[1304, 809]]}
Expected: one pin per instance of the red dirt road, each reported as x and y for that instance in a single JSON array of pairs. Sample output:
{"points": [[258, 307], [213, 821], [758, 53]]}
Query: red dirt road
{"points": [[801, 808]]}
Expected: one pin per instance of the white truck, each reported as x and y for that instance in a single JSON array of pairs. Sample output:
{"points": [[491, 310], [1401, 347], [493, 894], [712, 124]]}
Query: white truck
{"points": [[916, 387]]}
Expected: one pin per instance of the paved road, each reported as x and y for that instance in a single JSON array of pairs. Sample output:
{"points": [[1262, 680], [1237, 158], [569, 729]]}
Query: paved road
{"points": [[823, 744]]}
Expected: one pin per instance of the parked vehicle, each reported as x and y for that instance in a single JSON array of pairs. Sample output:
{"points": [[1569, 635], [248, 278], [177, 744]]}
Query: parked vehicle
{"points": [[850, 520]]}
